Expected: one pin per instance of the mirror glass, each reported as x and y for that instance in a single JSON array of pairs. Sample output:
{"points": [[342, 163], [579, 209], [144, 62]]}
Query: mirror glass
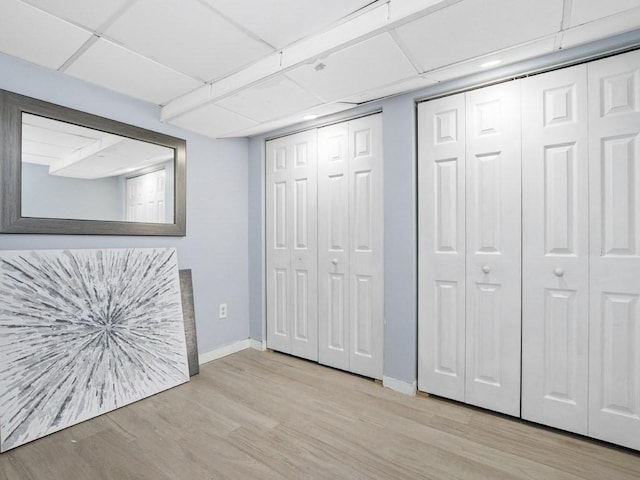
{"points": [[74, 172]]}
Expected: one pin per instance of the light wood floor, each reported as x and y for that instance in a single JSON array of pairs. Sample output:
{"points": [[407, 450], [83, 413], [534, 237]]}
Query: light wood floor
{"points": [[265, 415]]}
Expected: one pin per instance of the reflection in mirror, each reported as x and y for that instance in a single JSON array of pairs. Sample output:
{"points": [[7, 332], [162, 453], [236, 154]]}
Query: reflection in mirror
{"points": [[74, 172]]}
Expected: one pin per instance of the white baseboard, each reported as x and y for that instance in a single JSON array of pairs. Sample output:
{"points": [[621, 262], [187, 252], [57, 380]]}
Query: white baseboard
{"points": [[257, 345], [223, 351], [388, 382], [231, 348], [400, 385]]}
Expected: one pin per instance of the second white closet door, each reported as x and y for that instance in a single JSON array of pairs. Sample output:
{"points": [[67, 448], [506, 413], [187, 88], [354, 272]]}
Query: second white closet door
{"points": [[614, 180], [469, 325], [442, 254], [493, 199], [555, 318], [350, 256]]}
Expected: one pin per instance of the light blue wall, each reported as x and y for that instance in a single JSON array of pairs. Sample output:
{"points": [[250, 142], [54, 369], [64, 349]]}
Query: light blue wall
{"points": [[257, 289], [215, 247], [50, 196], [400, 239]]}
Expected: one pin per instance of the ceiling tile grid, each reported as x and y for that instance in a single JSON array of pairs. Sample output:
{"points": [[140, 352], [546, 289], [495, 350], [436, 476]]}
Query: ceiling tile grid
{"points": [[499, 58], [611, 25], [372, 63], [282, 22], [393, 89], [114, 67], [314, 112], [584, 11], [272, 99], [213, 121], [36, 36], [90, 14], [472, 28], [232, 55], [186, 35]]}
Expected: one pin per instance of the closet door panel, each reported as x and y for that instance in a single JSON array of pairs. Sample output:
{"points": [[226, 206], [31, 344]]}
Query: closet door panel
{"points": [[366, 226], [441, 211], [555, 310], [291, 244], [304, 255], [333, 245], [278, 164], [493, 284], [614, 352]]}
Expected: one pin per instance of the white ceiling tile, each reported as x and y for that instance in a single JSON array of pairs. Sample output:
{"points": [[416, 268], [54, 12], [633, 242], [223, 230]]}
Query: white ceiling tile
{"points": [[212, 121], [88, 13], [271, 99], [583, 11], [36, 36], [282, 22], [476, 27], [322, 110], [506, 56], [395, 89], [187, 36], [119, 69], [612, 25], [296, 119], [367, 65]]}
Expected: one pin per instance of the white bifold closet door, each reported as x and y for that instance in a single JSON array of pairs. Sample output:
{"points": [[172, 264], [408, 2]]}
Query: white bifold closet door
{"points": [[614, 180], [442, 253], [291, 243], [493, 281], [580, 291], [470, 247], [350, 246], [555, 296]]}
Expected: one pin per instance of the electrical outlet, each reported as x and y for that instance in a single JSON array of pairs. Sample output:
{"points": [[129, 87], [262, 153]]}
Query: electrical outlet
{"points": [[222, 310]]}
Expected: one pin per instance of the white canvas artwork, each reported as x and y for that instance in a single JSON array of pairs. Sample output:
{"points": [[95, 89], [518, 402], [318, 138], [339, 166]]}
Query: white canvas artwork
{"points": [[83, 332]]}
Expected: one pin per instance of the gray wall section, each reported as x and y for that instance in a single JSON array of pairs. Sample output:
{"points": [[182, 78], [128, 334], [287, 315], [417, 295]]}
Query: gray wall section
{"points": [[215, 248], [257, 286], [50, 196], [400, 240]]}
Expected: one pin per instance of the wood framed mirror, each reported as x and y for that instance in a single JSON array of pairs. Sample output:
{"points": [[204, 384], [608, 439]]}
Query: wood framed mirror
{"points": [[63, 171]]}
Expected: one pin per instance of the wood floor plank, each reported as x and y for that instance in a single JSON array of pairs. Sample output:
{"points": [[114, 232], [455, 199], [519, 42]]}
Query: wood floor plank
{"points": [[265, 415]]}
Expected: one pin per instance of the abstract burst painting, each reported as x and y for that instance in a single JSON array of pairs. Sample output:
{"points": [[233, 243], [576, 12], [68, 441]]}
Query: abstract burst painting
{"points": [[83, 332]]}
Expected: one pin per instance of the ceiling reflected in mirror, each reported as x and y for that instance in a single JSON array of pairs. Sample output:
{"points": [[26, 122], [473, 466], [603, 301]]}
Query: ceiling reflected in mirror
{"points": [[79, 152], [74, 172]]}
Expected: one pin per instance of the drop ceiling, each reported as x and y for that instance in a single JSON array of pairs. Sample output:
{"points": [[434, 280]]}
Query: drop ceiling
{"points": [[226, 68], [73, 151]]}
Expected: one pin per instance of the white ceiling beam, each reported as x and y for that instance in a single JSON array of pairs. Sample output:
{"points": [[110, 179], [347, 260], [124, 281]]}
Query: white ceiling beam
{"points": [[58, 167], [384, 17]]}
